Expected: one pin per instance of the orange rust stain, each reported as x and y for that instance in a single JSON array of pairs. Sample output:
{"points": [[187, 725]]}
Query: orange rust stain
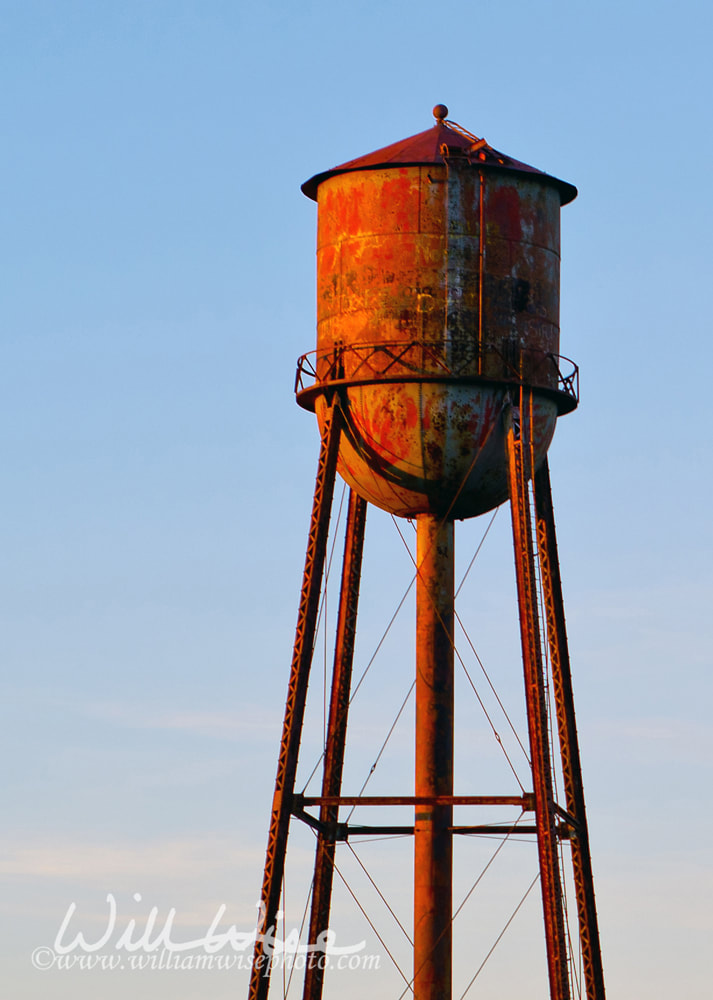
{"points": [[411, 414], [504, 213], [388, 420]]}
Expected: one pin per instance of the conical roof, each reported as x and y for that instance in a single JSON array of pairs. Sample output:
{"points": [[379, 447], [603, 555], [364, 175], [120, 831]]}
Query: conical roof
{"points": [[426, 147]]}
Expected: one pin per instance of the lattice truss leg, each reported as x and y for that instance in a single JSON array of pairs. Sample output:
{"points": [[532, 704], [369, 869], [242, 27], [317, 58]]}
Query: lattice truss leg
{"points": [[539, 584]]}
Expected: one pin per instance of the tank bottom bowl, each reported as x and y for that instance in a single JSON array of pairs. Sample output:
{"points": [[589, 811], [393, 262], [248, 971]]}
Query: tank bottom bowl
{"points": [[433, 447]]}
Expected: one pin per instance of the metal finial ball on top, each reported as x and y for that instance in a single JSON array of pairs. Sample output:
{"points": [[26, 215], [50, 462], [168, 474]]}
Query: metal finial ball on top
{"points": [[440, 112]]}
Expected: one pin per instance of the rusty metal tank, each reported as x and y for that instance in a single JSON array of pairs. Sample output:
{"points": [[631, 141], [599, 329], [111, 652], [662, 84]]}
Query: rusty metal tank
{"points": [[437, 308]]}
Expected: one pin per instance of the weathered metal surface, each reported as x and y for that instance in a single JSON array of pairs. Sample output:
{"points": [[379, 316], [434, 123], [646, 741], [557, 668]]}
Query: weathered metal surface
{"points": [[429, 448], [336, 738], [459, 264], [519, 461], [295, 704], [524, 802], [401, 253], [568, 740], [426, 148], [431, 361], [433, 837]]}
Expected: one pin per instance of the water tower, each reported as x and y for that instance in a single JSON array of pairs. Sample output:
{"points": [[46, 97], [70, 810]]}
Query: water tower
{"points": [[437, 383]]}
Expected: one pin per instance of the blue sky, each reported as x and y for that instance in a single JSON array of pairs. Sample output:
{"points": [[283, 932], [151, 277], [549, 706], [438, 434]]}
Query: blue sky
{"points": [[158, 285]]}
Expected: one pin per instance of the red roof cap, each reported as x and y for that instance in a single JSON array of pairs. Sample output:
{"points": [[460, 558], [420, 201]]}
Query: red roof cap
{"points": [[425, 148]]}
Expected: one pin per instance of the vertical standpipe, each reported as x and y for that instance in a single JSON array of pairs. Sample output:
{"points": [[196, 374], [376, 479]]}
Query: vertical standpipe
{"points": [[433, 848]]}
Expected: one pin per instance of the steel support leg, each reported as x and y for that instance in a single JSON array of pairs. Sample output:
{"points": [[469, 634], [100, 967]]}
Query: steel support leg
{"points": [[433, 847], [550, 874], [295, 704], [569, 744], [336, 738]]}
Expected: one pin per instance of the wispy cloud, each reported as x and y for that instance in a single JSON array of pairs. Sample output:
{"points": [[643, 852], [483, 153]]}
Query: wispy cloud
{"points": [[223, 724], [194, 875], [91, 862], [675, 739]]}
